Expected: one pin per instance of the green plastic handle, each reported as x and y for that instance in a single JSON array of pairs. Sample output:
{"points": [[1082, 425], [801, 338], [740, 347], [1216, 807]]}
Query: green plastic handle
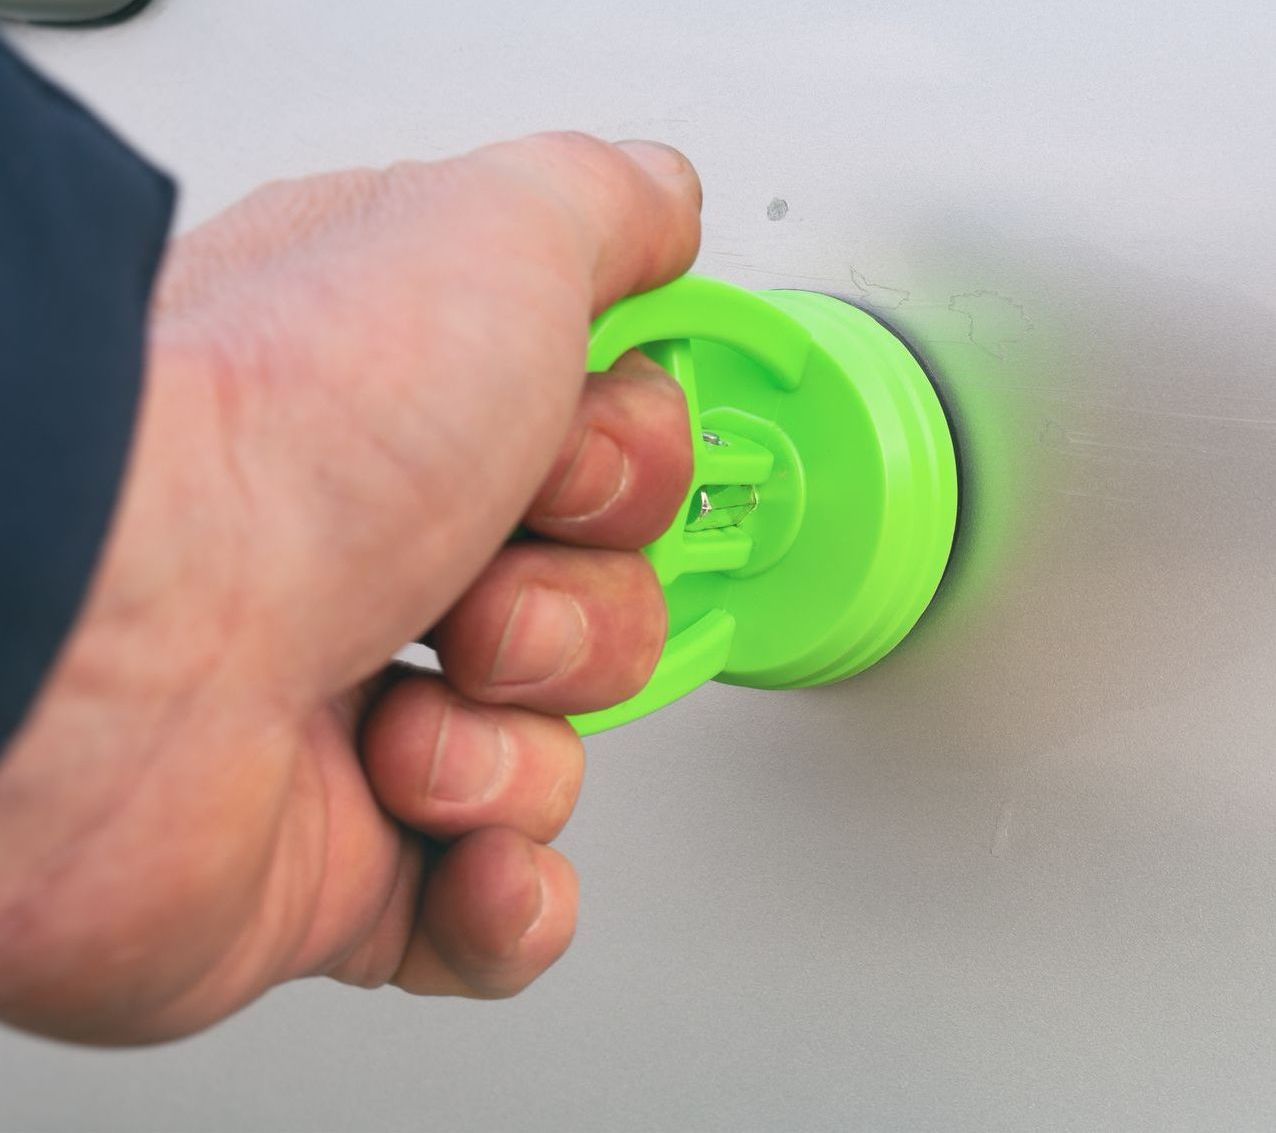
{"points": [[823, 503], [662, 323]]}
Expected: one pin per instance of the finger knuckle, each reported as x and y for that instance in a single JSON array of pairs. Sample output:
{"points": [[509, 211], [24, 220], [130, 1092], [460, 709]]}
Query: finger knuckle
{"points": [[608, 172], [576, 145]]}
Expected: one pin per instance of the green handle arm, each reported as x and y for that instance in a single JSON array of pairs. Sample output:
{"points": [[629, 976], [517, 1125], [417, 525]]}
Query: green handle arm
{"points": [[662, 322]]}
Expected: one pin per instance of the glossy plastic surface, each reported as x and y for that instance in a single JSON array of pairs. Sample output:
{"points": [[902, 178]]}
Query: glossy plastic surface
{"points": [[823, 504]]}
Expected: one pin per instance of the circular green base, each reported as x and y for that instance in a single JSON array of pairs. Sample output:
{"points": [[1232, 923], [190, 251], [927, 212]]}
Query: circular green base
{"points": [[825, 497], [880, 510]]}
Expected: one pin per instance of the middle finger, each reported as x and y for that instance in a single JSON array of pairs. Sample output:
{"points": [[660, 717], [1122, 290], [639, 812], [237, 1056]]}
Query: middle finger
{"points": [[556, 629]]}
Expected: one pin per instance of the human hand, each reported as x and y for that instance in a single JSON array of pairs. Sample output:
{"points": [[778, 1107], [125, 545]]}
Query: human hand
{"points": [[358, 385]]}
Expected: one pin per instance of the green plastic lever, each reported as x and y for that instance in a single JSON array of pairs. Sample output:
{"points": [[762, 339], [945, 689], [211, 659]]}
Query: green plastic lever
{"points": [[823, 503]]}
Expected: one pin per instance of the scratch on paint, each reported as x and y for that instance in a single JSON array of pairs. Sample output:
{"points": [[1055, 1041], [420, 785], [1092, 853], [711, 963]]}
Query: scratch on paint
{"points": [[878, 294], [995, 320], [1001, 832], [1096, 496]]}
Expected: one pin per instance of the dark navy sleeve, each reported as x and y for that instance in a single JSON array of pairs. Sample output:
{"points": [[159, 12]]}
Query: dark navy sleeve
{"points": [[82, 226]]}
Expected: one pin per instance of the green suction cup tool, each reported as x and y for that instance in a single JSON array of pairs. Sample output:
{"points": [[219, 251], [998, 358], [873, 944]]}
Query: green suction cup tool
{"points": [[824, 499]]}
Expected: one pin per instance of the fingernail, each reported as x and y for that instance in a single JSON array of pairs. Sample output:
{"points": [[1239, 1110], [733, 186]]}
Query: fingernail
{"points": [[470, 757], [545, 632], [597, 475], [657, 158], [538, 904]]}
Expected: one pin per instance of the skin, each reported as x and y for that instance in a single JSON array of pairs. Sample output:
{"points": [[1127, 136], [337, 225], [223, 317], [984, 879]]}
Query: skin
{"points": [[358, 385]]}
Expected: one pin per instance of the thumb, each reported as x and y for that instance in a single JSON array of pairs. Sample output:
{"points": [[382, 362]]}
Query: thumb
{"points": [[633, 207]]}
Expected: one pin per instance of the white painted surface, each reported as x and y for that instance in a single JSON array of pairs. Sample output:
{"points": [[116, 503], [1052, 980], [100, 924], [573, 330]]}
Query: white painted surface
{"points": [[1021, 875]]}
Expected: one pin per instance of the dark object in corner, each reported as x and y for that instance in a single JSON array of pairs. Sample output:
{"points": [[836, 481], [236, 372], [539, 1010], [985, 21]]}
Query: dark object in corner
{"points": [[78, 12], [83, 222]]}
